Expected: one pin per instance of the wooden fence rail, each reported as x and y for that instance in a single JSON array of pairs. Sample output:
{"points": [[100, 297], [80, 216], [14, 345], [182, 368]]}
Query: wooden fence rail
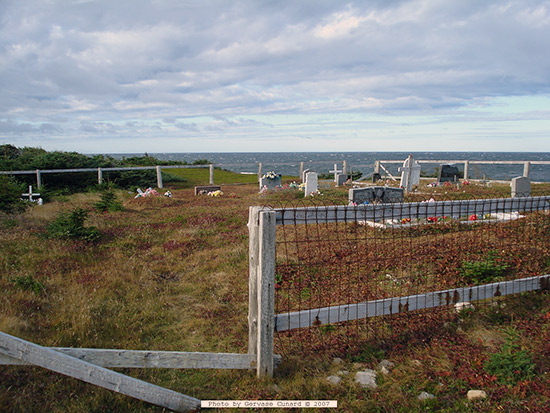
{"points": [[100, 171], [90, 373]]}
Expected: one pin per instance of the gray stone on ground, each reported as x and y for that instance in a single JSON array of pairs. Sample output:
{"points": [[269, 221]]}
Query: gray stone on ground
{"points": [[425, 396], [387, 364], [366, 378], [384, 370], [334, 379], [342, 372], [337, 360], [476, 395]]}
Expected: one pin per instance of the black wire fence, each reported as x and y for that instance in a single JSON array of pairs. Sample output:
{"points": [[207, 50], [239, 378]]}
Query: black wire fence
{"points": [[347, 274]]}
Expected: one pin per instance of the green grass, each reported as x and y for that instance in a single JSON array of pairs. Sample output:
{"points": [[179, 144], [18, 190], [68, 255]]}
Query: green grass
{"points": [[201, 176]]}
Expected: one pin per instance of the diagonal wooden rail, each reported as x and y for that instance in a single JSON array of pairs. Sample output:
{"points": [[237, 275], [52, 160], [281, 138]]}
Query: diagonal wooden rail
{"points": [[71, 366]]}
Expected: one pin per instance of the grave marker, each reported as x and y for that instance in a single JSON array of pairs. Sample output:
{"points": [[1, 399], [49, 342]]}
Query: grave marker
{"points": [[311, 184], [448, 173], [410, 173], [521, 186], [30, 194], [372, 194], [341, 179], [271, 181]]}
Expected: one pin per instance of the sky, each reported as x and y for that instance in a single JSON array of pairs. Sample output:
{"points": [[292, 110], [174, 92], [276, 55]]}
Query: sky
{"points": [[130, 76]]}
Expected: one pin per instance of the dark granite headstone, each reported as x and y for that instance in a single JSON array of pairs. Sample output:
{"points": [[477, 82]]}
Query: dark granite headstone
{"points": [[448, 173], [375, 194]]}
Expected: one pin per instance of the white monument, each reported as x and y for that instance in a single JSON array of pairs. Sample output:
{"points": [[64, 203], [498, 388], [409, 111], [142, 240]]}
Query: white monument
{"points": [[311, 184], [410, 175]]}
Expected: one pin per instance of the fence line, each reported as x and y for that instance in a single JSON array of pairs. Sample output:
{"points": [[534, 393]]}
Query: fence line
{"points": [[396, 305], [100, 171], [329, 266]]}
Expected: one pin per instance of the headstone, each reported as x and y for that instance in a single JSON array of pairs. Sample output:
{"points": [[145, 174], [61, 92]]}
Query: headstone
{"points": [[448, 173], [311, 183], [341, 179], [270, 183], [304, 173], [375, 194], [410, 171], [521, 186]]}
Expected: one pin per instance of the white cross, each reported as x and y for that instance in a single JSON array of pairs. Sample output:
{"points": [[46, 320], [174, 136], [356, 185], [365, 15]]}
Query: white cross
{"points": [[336, 170], [30, 194]]}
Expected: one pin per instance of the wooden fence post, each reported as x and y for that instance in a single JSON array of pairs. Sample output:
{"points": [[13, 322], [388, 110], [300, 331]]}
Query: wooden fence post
{"points": [[99, 176], [301, 170], [159, 177], [466, 169], [38, 179], [526, 169], [261, 313], [259, 171], [211, 178]]}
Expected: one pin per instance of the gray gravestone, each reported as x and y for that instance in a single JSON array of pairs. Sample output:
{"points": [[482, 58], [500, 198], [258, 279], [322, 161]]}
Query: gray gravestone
{"points": [[375, 194], [521, 186], [448, 173], [271, 184], [341, 179], [311, 184]]}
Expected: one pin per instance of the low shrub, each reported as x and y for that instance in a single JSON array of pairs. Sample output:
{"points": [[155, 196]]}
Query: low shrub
{"points": [[70, 225], [108, 202], [511, 364], [10, 196]]}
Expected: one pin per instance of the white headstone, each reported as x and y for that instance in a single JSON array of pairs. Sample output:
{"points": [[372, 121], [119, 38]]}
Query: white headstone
{"points": [[335, 172], [412, 172], [521, 186], [311, 183], [304, 173]]}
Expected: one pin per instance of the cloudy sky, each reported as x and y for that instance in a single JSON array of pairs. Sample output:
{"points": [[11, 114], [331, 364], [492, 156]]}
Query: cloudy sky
{"points": [[299, 75]]}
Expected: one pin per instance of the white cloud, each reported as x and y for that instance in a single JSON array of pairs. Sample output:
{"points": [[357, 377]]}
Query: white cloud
{"points": [[214, 68]]}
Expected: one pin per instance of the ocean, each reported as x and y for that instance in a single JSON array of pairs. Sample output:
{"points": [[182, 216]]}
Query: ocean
{"points": [[288, 163]]}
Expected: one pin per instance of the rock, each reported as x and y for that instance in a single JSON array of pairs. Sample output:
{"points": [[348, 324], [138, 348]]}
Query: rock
{"points": [[342, 373], [366, 378], [459, 307], [425, 396], [476, 395], [337, 360], [358, 366], [384, 370], [387, 364], [334, 379], [417, 363]]}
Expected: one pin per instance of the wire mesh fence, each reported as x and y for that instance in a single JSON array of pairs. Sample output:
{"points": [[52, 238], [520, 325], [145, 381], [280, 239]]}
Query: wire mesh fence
{"points": [[330, 258]]}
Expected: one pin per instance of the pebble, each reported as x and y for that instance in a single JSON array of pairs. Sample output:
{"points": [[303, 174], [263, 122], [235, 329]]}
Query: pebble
{"points": [[366, 378], [334, 379], [425, 396], [476, 395]]}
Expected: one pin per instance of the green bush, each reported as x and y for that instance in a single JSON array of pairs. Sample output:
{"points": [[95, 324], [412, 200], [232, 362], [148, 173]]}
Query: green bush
{"points": [[108, 202], [10, 195], [483, 271], [70, 225], [27, 282], [511, 364]]}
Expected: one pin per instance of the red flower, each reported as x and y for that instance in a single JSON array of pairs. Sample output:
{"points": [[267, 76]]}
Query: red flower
{"points": [[473, 217]]}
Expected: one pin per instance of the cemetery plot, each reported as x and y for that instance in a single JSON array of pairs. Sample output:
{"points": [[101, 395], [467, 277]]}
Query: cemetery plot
{"points": [[334, 264]]}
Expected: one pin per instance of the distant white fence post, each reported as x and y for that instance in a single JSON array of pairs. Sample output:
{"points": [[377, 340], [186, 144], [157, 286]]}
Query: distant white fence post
{"points": [[526, 169], [259, 171], [99, 176], [159, 177], [301, 170], [211, 178], [466, 169], [38, 179], [261, 313]]}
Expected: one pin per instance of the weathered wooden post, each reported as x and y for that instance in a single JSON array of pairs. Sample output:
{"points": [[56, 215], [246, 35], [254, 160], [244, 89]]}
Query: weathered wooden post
{"points": [[526, 169], [99, 176], [211, 178], [261, 310], [159, 177], [301, 170], [466, 169], [377, 167], [259, 171], [38, 179], [345, 167]]}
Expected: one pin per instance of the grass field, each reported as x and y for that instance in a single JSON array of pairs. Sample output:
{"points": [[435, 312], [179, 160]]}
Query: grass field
{"points": [[172, 274]]}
